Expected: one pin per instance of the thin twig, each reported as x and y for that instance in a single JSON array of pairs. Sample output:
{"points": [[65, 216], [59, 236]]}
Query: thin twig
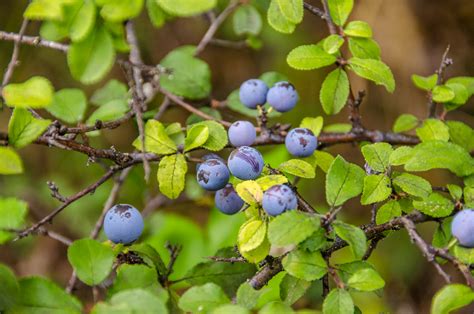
{"points": [[445, 62], [33, 41], [16, 50]]}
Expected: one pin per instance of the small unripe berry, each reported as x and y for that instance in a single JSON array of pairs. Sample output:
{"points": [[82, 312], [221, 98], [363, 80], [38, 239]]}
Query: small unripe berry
{"points": [[242, 133], [123, 224]]}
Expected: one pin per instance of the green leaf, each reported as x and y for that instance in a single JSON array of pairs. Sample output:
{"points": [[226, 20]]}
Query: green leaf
{"points": [[156, 139], [404, 123], [455, 191], [250, 191], [267, 182], [450, 298], [9, 289], [136, 276], [54, 31], [442, 155], [343, 181], [113, 90], [433, 129], [247, 20], [197, 136], [13, 213], [91, 260], [171, 175], [251, 235], [217, 139], [230, 308], [338, 301], [44, 10], [229, 276], [461, 96], [435, 205], [358, 29], [90, 59], [332, 43], [461, 134], [277, 20], [323, 160], [413, 185], [276, 307], [340, 10], [292, 289], [23, 128], [305, 265], [291, 227], [292, 10], [10, 162], [464, 254], [108, 112], [377, 155], [132, 301], [467, 81], [36, 92], [338, 128], [248, 296], [366, 280], [334, 91], [386, 212], [442, 93], [364, 48], [120, 11], [39, 295], [69, 105], [82, 19], [155, 13], [314, 124], [377, 188], [203, 298], [354, 236], [426, 83], [442, 235], [186, 7], [373, 70], [190, 77], [298, 168], [309, 57], [469, 196], [401, 155]]}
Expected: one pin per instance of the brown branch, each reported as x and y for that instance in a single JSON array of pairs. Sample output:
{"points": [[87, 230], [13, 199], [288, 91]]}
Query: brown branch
{"points": [[239, 259], [228, 43], [263, 276], [54, 235], [55, 191], [445, 62], [33, 41], [328, 19], [314, 10], [216, 23], [16, 50]]}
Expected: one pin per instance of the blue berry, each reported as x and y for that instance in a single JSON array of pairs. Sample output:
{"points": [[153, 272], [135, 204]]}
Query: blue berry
{"points": [[253, 93], [123, 224], [462, 227], [301, 142], [213, 175], [282, 96], [228, 201], [207, 157], [242, 133], [245, 163], [277, 199]]}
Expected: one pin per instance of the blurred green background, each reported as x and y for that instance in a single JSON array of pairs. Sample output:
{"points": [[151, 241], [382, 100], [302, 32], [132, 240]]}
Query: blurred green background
{"points": [[413, 35]]}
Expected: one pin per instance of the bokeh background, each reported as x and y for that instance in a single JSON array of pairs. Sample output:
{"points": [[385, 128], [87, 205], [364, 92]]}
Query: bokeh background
{"points": [[413, 35]]}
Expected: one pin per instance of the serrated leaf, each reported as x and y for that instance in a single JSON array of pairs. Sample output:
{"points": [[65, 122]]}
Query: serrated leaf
{"points": [[267, 182], [433, 129], [90, 59], [247, 20], [156, 14], [133, 276], [292, 289], [250, 191], [217, 139], [401, 155], [358, 29], [156, 139], [413, 185], [10, 162], [334, 91], [119, 11], [332, 43], [44, 10], [463, 254], [251, 235], [197, 136], [298, 167], [277, 20], [82, 20], [377, 188], [461, 134], [36, 92], [425, 82], [386, 212], [434, 205], [450, 298], [442, 155], [343, 181], [323, 160], [291, 227], [292, 10], [467, 81], [340, 10], [186, 7], [364, 48], [23, 128], [354, 236], [366, 280], [309, 57], [373, 70], [338, 301], [69, 105], [13, 213], [132, 301], [461, 96], [112, 110], [113, 90], [171, 175], [305, 265], [91, 260], [9, 289], [442, 94], [258, 254], [314, 124], [248, 296], [405, 122]]}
